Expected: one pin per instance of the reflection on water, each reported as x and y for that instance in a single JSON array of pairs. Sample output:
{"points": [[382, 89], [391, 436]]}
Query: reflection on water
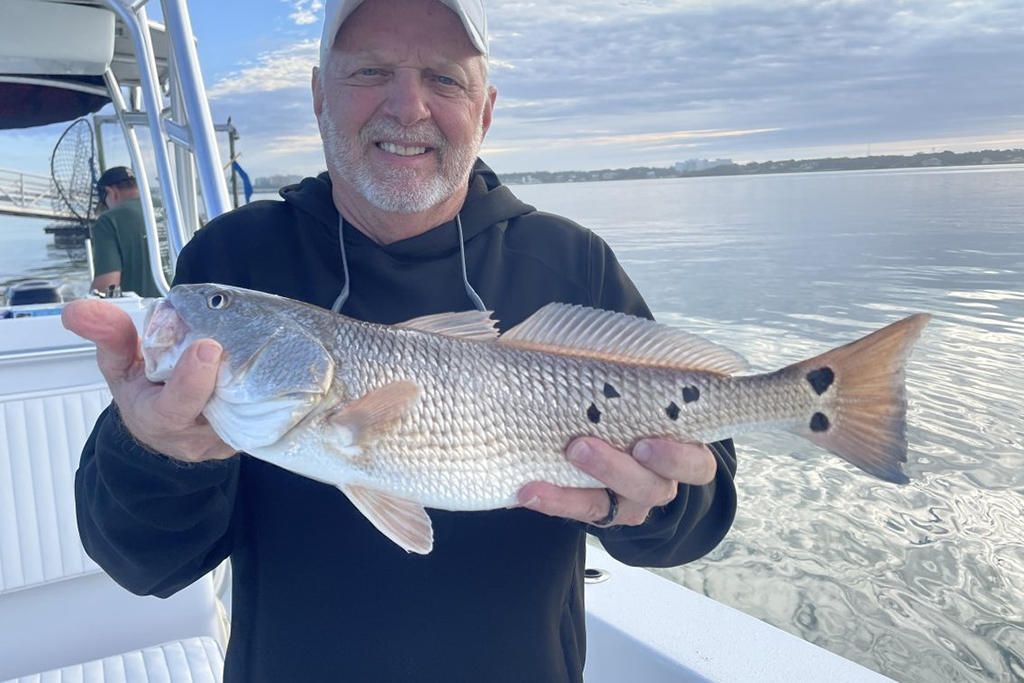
{"points": [[924, 582], [26, 252]]}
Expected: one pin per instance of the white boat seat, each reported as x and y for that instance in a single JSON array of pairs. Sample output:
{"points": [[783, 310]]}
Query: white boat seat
{"points": [[41, 437], [57, 607], [195, 660]]}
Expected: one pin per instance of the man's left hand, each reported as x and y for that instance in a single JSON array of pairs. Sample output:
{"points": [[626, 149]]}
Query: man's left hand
{"points": [[647, 479]]}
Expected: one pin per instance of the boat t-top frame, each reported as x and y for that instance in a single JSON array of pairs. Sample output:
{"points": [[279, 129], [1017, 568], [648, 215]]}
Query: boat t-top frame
{"points": [[60, 43]]}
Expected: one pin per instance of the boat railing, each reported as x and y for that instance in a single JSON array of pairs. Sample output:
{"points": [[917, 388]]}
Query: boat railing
{"points": [[27, 194], [184, 127]]}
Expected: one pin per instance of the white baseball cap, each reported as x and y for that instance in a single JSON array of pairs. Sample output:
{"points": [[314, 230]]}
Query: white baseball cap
{"points": [[471, 12]]}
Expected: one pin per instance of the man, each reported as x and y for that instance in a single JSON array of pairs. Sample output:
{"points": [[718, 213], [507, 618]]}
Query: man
{"points": [[403, 103], [119, 244]]}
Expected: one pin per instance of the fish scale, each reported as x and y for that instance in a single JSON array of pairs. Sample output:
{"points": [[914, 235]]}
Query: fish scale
{"points": [[440, 412], [529, 403]]}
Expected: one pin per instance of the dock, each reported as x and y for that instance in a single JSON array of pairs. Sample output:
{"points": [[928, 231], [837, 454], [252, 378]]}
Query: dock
{"points": [[68, 235], [29, 195]]}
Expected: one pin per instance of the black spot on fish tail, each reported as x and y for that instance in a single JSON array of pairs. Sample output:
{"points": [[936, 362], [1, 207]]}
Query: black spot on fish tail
{"points": [[819, 423], [593, 414], [690, 394], [821, 379], [672, 411], [609, 391]]}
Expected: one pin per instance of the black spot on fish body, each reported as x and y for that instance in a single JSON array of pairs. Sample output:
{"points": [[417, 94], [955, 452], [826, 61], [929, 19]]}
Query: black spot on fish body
{"points": [[672, 411], [819, 422], [593, 414], [609, 391], [690, 394], [821, 379]]}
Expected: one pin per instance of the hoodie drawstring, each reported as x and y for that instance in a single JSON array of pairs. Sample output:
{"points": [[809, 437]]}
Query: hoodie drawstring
{"points": [[343, 296]]}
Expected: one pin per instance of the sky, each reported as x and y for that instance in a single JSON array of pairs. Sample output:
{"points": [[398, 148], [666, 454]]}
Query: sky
{"points": [[598, 84]]}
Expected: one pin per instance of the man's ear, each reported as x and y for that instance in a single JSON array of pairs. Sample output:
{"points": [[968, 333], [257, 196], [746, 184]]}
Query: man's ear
{"points": [[318, 92], [488, 115]]}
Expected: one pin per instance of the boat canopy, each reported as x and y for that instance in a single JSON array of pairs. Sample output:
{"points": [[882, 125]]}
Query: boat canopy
{"points": [[27, 105], [53, 57]]}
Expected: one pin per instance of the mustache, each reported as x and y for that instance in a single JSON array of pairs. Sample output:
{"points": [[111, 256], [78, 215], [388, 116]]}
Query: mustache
{"points": [[423, 133]]}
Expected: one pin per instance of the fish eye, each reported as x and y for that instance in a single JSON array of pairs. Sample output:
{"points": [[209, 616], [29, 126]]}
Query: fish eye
{"points": [[217, 301]]}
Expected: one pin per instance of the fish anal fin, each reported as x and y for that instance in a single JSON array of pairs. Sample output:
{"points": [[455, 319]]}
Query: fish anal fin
{"points": [[375, 412], [863, 419], [404, 522], [478, 325], [607, 335]]}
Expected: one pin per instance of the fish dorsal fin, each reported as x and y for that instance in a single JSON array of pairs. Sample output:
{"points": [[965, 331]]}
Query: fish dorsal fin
{"points": [[477, 325], [581, 331], [403, 521], [375, 412]]}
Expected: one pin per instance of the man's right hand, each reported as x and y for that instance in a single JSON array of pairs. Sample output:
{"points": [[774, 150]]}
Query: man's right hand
{"points": [[165, 418]]}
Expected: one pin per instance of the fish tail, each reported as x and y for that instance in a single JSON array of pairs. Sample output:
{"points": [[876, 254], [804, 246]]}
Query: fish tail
{"points": [[861, 416]]}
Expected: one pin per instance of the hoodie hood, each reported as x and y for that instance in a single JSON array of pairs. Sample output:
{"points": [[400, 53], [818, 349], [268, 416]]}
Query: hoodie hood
{"points": [[488, 203]]}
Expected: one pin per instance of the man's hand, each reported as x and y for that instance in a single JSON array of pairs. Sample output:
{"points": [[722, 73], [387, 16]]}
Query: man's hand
{"points": [[164, 418], [647, 479]]}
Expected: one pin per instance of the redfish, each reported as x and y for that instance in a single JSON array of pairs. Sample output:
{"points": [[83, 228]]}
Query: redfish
{"points": [[441, 412]]}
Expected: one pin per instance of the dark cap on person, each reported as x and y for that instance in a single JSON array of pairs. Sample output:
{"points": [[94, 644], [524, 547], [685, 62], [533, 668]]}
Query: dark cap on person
{"points": [[113, 176]]}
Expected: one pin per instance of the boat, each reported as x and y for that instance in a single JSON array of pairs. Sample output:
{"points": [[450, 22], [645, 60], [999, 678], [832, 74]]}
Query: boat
{"points": [[61, 617]]}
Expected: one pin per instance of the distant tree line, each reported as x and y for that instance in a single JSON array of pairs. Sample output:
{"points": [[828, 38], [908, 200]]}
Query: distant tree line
{"points": [[275, 182], [919, 160]]}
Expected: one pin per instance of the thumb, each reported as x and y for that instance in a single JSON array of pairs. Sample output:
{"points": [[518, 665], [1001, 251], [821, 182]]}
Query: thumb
{"points": [[192, 384], [110, 329]]}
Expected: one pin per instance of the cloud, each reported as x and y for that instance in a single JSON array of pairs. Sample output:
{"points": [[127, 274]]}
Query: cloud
{"points": [[306, 12], [843, 72], [605, 83], [281, 69]]}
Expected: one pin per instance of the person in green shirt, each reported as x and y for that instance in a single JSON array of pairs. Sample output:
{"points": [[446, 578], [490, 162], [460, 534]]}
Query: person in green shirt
{"points": [[119, 244]]}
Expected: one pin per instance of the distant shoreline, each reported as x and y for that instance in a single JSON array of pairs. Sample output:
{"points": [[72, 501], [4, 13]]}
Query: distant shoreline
{"points": [[866, 163]]}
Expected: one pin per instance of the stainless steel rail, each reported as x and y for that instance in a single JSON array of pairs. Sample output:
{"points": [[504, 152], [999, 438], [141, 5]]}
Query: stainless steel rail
{"points": [[54, 352]]}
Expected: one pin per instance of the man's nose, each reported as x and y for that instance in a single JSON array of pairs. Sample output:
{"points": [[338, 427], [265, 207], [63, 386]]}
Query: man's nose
{"points": [[407, 99]]}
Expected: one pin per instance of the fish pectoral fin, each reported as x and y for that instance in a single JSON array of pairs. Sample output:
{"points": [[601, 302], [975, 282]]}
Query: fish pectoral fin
{"points": [[403, 521], [369, 415], [474, 324]]}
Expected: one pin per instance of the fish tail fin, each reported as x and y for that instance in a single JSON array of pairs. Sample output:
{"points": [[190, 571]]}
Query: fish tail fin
{"points": [[862, 412]]}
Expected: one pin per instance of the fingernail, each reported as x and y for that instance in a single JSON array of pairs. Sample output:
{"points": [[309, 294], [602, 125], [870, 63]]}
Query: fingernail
{"points": [[643, 451], [208, 353], [580, 452], [530, 502]]}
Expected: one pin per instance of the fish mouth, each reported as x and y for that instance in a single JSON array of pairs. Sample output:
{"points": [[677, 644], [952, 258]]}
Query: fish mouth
{"points": [[163, 340]]}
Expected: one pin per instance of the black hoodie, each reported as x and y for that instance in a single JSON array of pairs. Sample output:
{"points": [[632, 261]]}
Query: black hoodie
{"points": [[319, 594]]}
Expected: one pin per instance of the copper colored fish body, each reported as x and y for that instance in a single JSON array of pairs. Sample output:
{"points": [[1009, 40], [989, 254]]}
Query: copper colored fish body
{"points": [[440, 412]]}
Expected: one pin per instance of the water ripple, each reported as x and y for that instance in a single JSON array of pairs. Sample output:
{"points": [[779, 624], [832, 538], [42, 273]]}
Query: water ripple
{"points": [[924, 582]]}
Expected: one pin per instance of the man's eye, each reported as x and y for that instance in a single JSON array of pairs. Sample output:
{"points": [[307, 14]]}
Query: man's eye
{"points": [[447, 82], [370, 73]]}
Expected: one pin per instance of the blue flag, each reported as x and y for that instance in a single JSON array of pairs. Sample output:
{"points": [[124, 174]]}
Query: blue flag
{"points": [[246, 183]]}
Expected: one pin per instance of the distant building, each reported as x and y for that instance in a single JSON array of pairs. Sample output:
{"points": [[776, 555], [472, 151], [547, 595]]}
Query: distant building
{"points": [[691, 165]]}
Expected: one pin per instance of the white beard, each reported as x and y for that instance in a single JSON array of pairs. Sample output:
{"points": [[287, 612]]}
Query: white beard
{"points": [[399, 190]]}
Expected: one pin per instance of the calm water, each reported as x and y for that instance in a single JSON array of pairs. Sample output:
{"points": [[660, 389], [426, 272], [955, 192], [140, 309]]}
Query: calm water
{"points": [[924, 583]]}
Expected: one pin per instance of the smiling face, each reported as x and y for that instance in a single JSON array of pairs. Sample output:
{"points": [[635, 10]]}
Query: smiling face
{"points": [[403, 106]]}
